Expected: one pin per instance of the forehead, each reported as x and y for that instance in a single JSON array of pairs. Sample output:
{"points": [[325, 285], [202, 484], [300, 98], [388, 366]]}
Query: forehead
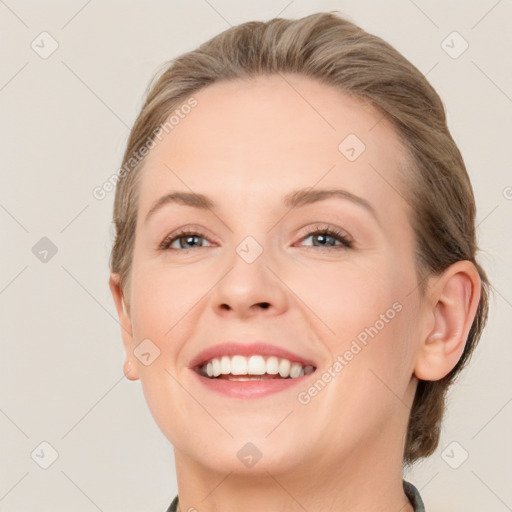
{"points": [[275, 133]]}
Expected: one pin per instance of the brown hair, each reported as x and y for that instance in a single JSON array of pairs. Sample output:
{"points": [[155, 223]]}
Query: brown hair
{"points": [[330, 49]]}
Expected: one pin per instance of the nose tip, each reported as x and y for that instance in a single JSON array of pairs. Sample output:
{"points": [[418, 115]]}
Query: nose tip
{"points": [[248, 289]]}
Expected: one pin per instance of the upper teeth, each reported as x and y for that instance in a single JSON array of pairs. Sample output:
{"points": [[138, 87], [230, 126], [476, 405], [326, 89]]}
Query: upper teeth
{"points": [[254, 365]]}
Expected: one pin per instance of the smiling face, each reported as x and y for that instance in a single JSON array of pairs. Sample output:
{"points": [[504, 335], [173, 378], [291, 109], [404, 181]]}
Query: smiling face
{"points": [[252, 268]]}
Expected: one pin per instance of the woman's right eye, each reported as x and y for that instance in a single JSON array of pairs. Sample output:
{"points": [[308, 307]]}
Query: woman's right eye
{"points": [[183, 238]]}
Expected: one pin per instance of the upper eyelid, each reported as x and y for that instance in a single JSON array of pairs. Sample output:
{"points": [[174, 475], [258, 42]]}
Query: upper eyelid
{"points": [[304, 231]]}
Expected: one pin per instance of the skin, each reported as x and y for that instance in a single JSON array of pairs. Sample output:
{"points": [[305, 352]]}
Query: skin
{"points": [[246, 145]]}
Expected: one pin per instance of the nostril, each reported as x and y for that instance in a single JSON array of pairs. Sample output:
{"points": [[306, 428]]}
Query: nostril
{"points": [[264, 305]]}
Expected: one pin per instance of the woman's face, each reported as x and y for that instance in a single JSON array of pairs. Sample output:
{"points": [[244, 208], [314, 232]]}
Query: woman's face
{"points": [[255, 270]]}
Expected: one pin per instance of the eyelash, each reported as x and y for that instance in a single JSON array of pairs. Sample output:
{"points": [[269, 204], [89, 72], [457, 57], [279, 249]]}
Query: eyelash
{"points": [[346, 243]]}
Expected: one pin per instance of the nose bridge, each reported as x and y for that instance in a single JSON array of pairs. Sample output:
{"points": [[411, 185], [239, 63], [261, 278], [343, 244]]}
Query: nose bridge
{"points": [[252, 236], [248, 281], [250, 249]]}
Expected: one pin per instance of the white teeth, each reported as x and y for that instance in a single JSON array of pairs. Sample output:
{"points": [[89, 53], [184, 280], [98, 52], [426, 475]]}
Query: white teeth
{"points": [[272, 365], [216, 367], [254, 365], [239, 365], [295, 370], [284, 367], [225, 365], [239, 378]]}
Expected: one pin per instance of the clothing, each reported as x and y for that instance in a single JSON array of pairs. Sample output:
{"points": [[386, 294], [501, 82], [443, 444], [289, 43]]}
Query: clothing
{"points": [[413, 494], [410, 491], [174, 505]]}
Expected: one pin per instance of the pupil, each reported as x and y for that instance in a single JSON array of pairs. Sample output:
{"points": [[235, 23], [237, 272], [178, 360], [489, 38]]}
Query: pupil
{"points": [[189, 238], [323, 237]]}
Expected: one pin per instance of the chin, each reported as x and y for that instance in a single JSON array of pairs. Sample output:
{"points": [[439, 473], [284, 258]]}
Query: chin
{"points": [[247, 454]]}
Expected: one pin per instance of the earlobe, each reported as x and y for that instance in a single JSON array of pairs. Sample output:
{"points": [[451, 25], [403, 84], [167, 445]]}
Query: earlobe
{"points": [[453, 301], [129, 370], [130, 365]]}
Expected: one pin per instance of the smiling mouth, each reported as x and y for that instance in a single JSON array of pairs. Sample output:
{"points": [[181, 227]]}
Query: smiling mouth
{"points": [[255, 367]]}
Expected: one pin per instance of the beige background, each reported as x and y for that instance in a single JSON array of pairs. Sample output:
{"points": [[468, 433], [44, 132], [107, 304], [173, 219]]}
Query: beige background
{"points": [[64, 121]]}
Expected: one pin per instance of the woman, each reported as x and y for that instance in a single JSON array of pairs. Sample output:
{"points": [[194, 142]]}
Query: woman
{"points": [[294, 268]]}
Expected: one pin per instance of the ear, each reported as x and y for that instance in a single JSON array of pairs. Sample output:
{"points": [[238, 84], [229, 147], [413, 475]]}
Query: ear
{"points": [[452, 304], [130, 364]]}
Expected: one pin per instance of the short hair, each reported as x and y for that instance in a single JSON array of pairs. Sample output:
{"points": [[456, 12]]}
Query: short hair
{"points": [[330, 49]]}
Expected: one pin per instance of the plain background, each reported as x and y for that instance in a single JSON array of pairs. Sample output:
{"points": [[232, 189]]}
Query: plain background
{"points": [[64, 124]]}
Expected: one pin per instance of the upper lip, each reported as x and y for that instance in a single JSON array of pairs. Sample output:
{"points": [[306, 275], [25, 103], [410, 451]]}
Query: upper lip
{"points": [[232, 348]]}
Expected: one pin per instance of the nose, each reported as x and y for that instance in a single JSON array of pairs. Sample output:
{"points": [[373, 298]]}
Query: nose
{"points": [[250, 288]]}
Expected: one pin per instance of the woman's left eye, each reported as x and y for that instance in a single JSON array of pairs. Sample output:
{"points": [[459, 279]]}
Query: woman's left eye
{"points": [[328, 237]]}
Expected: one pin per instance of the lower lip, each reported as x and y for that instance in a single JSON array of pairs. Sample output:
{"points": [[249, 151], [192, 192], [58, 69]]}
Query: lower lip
{"points": [[249, 388]]}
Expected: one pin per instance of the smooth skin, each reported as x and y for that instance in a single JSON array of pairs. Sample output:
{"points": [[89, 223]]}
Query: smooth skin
{"points": [[246, 145]]}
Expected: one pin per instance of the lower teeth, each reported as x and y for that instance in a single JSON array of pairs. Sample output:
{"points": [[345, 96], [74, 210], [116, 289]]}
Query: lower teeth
{"points": [[246, 378]]}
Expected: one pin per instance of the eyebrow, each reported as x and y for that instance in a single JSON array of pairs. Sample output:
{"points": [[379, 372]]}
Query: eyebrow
{"points": [[295, 199]]}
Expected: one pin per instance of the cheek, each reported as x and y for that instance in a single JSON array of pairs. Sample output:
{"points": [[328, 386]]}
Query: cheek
{"points": [[373, 318], [362, 315], [162, 297], [158, 303], [162, 311], [167, 302], [345, 297]]}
